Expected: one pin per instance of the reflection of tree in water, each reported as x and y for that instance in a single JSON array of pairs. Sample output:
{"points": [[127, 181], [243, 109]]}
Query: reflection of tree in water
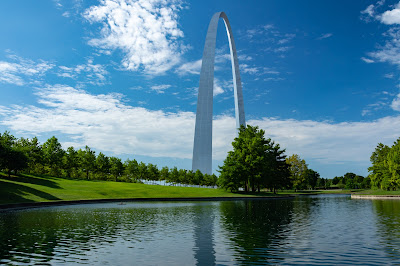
{"points": [[255, 225], [388, 212], [41, 235]]}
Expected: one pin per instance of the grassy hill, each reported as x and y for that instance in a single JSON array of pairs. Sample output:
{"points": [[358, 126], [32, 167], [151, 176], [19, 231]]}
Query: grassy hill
{"points": [[29, 188]]}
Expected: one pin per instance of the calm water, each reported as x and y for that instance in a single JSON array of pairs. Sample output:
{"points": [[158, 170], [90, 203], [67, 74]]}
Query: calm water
{"points": [[327, 229]]}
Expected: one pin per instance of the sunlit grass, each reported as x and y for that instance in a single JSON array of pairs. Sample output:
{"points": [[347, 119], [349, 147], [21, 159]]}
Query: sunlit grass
{"points": [[29, 188]]}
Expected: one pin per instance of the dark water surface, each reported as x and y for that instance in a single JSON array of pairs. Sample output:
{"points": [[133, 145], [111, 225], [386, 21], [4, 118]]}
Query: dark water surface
{"points": [[322, 230]]}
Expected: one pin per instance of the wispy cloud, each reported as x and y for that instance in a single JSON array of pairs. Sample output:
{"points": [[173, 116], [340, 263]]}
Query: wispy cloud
{"points": [[396, 103], [367, 60], [370, 12], [90, 73], [20, 71], [106, 123], [325, 36], [147, 32], [189, 68], [160, 88], [390, 51]]}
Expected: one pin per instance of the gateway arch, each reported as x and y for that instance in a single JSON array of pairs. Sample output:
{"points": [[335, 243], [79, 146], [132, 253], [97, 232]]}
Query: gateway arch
{"points": [[202, 148]]}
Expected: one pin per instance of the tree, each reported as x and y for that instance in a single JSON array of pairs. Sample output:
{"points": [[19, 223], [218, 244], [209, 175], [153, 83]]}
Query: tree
{"points": [[102, 166], [378, 170], [153, 173], [198, 178], [254, 162], [53, 154], [70, 161], [297, 168], [33, 151], [174, 175], [132, 169], [116, 167], [164, 174], [87, 160], [142, 171], [392, 163], [12, 157], [312, 178]]}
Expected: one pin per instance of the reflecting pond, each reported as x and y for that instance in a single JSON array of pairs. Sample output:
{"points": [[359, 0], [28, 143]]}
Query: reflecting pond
{"points": [[323, 229]]}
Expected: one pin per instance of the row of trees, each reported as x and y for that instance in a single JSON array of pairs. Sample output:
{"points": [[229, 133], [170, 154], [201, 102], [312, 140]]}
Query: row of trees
{"points": [[385, 169], [29, 156], [257, 163], [302, 177], [352, 181]]}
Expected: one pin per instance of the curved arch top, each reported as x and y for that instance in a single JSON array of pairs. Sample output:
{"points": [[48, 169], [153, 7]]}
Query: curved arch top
{"points": [[202, 148]]}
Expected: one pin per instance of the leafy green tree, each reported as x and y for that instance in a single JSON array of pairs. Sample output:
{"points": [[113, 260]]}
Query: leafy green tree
{"points": [[33, 151], [198, 178], [164, 174], [12, 157], [132, 169], [153, 174], [102, 166], [312, 178], [142, 171], [174, 176], [87, 161], [70, 161], [183, 177], [254, 162], [297, 168], [116, 167], [379, 170], [392, 163], [53, 154]]}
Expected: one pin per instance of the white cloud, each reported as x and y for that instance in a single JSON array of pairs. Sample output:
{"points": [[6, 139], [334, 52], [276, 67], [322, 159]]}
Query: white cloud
{"points": [[95, 74], [391, 16], [160, 88], [217, 90], [369, 11], [325, 36], [396, 103], [106, 123], [22, 71], [367, 60], [389, 75], [390, 52], [193, 67], [146, 31]]}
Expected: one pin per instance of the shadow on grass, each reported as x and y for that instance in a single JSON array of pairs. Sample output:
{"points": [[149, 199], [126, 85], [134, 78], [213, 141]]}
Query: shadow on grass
{"points": [[32, 180], [15, 193]]}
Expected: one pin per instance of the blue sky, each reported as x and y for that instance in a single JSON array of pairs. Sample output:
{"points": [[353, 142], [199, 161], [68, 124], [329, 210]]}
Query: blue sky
{"points": [[320, 77]]}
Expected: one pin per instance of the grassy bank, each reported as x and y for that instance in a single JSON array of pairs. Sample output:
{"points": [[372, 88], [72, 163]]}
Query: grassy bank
{"points": [[378, 192], [29, 188]]}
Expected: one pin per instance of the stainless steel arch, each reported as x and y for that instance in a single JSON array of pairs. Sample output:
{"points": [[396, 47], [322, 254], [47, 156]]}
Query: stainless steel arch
{"points": [[202, 148]]}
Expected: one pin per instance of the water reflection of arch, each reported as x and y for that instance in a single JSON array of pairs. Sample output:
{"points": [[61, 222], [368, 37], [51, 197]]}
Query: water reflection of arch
{"points": [[204, 251], [202, 147]]}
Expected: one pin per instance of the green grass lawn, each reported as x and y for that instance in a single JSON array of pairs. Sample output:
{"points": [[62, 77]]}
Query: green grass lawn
{"points": [[378, 192], [29, 188]]}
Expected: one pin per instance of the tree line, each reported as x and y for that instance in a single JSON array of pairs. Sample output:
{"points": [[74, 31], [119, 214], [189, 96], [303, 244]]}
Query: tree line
{"points": [[385, 169], [29, 156], [352, 181]]}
